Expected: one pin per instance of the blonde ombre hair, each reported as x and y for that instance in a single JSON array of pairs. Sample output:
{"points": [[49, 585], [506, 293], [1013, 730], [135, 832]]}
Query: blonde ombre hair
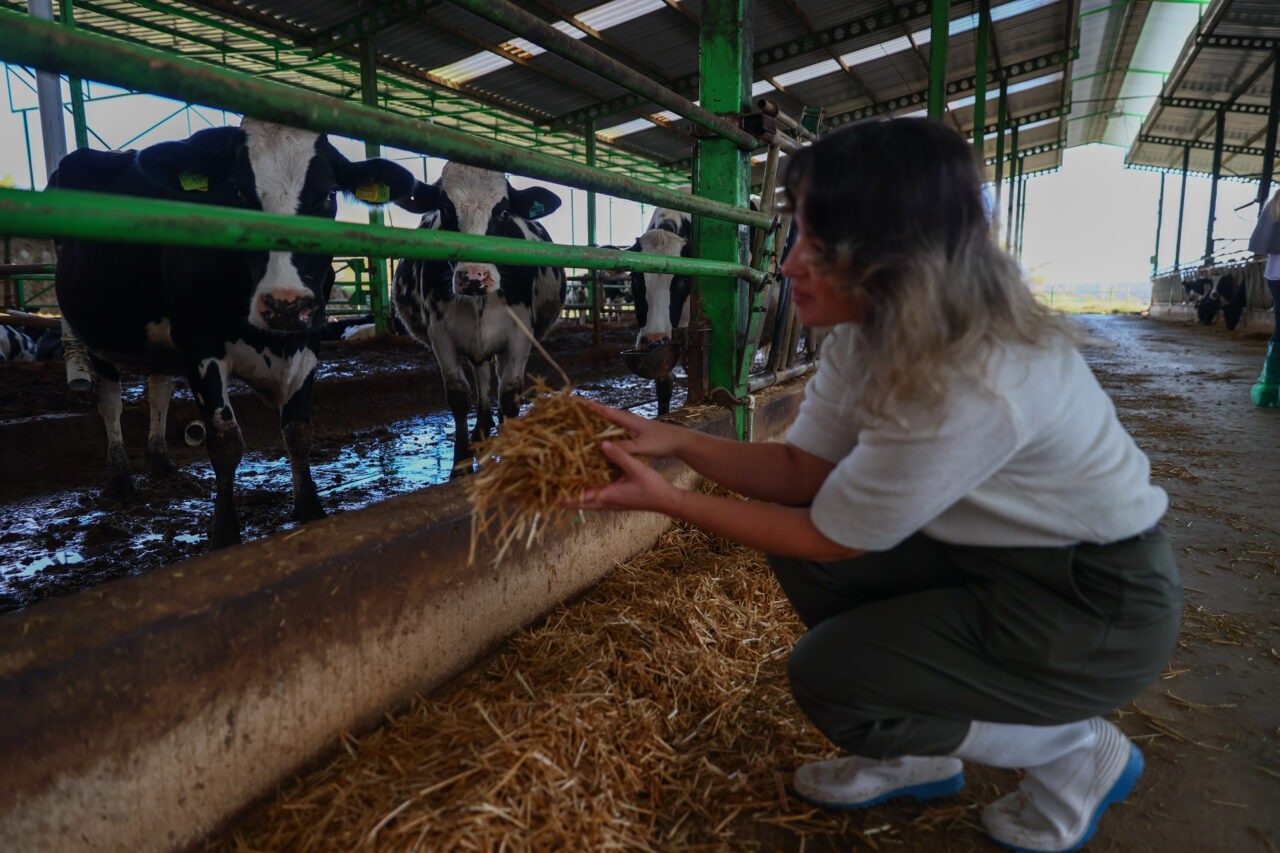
{"points": [[898, 207]]}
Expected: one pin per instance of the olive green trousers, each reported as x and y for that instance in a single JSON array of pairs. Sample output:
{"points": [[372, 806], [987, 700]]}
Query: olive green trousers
{"points": [[906, 647]]}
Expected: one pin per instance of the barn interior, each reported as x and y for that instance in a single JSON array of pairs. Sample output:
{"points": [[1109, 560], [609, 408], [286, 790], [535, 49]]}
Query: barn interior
{"points": [[149, 713]]}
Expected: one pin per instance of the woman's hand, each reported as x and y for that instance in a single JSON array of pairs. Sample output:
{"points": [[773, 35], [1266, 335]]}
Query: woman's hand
{"points": [[639, 487], [648, 438]]}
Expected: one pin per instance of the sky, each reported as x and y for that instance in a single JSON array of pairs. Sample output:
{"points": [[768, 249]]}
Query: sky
{"points": [[1092, 221]]}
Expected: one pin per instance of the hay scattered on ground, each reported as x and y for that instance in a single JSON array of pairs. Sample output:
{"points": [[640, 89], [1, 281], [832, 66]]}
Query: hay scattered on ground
{"points": [[532, 470], [653, 714]]}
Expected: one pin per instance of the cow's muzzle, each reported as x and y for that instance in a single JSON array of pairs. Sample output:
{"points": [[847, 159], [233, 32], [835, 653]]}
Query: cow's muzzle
{"points": [[286, 311], [474, 280]]}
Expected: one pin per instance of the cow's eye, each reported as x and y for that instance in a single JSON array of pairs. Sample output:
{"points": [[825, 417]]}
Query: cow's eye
{"points": [[504, 214]]}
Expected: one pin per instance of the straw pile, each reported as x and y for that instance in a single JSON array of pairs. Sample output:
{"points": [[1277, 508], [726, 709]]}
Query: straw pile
{"points": [[536, 465], [653, 714]]}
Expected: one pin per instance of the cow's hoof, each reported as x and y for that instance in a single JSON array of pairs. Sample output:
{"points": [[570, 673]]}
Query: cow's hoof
{"points": [[223, 539], [308, 510], [119, 487], [462, 468], [161, 467]]}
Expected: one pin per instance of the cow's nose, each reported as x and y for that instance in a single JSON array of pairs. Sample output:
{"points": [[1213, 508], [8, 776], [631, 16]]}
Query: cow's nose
{"points": [[653, 341], [472, 281], [286, 310]]}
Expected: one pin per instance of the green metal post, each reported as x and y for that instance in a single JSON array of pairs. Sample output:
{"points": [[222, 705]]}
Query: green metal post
{"points": [[1155, 256], [1219, 135], [378, 296], [1022, 207], [1002, 118], [76, 85], [597, 300], [980, 81], [722, 174], [1182, 207], [938, 60]]}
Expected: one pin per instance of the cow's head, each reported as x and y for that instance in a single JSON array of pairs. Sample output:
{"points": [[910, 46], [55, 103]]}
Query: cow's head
{"points": [[478, 201], [264, 166], [659, 296]]}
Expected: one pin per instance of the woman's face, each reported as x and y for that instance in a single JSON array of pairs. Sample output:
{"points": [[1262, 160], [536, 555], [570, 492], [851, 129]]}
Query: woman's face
{"points": [[820, 295]]}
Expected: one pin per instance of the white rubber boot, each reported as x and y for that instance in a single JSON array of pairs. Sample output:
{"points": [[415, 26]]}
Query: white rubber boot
{"points": [[1072, 773], [854, 782]]}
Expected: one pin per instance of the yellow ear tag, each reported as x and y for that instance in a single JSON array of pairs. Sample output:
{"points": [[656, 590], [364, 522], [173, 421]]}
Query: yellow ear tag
{"points": [[194, 181], [373, 192]]}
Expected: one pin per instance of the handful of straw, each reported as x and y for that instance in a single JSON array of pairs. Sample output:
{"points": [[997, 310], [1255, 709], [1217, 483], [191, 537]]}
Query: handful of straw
{"points": [[537, 464]]}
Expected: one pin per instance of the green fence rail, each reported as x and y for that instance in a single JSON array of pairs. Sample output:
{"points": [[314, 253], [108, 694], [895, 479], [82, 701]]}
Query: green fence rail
{"points": [[73, 213], [27, 41]]}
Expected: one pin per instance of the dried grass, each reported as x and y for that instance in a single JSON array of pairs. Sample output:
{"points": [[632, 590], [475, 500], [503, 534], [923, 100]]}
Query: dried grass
{"points": [[533, 469], [653, 714]]}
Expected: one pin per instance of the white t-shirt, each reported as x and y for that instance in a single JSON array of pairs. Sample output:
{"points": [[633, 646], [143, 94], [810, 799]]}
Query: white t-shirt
{"points": [[1039, 461], [1272, 271]]}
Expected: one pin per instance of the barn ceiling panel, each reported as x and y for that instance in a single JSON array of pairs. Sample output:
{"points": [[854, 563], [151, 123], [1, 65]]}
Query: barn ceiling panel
{"points": [[1068, 64], [1226, 65]]}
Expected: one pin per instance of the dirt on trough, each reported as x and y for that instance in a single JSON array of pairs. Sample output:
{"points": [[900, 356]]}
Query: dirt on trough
{"points": [[381, 429]]}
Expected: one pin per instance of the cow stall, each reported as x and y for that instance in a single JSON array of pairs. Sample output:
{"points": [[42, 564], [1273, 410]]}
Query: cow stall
{"points": [[145, 713]]}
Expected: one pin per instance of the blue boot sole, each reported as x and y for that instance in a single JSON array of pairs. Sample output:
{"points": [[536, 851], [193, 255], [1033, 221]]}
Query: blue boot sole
{"points": [[1118, 792], [925, 791]]}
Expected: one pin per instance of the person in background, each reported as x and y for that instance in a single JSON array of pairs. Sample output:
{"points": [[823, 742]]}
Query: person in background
{"points": [[1266, 241], [957, 515]]}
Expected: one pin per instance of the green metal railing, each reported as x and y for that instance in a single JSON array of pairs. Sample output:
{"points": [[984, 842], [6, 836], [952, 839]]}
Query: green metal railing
{"points": [[126, 219], [50, 46]]}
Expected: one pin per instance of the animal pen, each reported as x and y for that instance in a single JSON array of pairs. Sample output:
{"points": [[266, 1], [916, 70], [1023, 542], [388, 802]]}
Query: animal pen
{"points": [[144, 714]]}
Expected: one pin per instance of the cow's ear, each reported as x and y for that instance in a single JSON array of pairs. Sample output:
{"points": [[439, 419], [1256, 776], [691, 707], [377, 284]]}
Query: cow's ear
{"points": [[534, 202], [423, 198], [87, 169], [193, 165], [375, 181]]}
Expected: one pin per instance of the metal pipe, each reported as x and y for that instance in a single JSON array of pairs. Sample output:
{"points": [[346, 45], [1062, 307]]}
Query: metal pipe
{"points": [[1002, 118], [1273, 121], [42, 45], [1155, 256], [1219, 134], [75, 84], [980, 81], [938, 60], [53, 129], [1182, 207], [775, 112], [1013, 187], [597, 297], [379, 303], [775, 377], [128, 219], [530, 26]]}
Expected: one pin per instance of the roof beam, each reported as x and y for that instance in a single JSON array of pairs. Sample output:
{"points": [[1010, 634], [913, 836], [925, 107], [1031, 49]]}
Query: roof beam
{"points": [[956, 87], [366, 23], [1029, 118], [1237, 42], [1032, 151], [916, 10], [1200, 145], [1215, 106]]}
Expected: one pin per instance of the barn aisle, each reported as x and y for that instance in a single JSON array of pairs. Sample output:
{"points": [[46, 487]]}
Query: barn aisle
{"points": [[654, 713]]}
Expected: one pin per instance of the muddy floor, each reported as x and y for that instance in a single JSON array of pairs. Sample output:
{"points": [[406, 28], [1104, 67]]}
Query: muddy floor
{"points": [[1209, 728], [381, 429]]}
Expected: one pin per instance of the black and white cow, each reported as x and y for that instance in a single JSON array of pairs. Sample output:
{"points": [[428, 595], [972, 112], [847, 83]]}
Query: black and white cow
{"points": [[660, 297], [210, 314], [16, 345], [455, 307]]}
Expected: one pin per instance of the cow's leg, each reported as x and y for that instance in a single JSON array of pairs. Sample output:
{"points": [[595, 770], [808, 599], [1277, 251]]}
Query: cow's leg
{"points": [[159, 392], [457, 392], [119, 483], [225, 444], [511, 386], [484, 401], [295, 426], [665, 385]]}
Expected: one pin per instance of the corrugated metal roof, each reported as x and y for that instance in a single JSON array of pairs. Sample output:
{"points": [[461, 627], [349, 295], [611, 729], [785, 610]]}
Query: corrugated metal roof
{"points": [[851, 59], [1226, 65]]}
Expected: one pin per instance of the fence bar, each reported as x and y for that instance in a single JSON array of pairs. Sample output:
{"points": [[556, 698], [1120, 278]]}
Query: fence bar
{"points": [[75, 84], [529, 26], [980, 80], [26, 41], [1155, 256], [1013, 186], [378, 301], [128, 219], [723, 173], [1002, 118]]}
